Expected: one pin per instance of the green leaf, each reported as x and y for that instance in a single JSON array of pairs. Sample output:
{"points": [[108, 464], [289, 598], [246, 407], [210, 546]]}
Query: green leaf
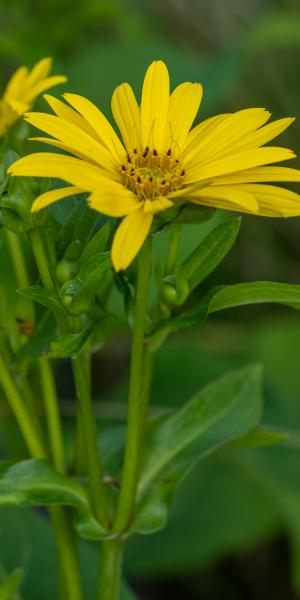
{"points": [[209, 253], [36, 483], [10, 585], [220, 510], [78, 293], [221, 412], [68, 344], [260, 436], [223, 297], [42, 296], [97, 244], [256, 292], [93, 270]]}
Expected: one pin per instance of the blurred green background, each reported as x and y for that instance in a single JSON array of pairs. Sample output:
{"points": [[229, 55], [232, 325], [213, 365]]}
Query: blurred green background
{"points": [[234, 531]]}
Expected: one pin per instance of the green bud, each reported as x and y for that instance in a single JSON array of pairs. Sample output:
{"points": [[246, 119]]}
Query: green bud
{"points": [[15, 206], [65, 270], [76, 297], [169, 294], [67, 267], [175, 292]]}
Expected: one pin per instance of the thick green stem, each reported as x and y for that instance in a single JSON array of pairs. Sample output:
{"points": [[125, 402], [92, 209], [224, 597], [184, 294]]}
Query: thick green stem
{"points": [[19, 263], [52, 414], [18, 406], [41, 258], [67, 552], [66, 544], [136, 409], [68, 557], [89, 430], [110, 570]]}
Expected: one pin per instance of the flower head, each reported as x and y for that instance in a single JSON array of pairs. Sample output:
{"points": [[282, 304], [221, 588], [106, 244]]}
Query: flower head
{"points": [[22, 90], [219, 163]]}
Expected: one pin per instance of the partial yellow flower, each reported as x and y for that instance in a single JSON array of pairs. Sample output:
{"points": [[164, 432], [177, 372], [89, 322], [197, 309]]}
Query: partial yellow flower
{"points": [[22, 90], [220, 163]]}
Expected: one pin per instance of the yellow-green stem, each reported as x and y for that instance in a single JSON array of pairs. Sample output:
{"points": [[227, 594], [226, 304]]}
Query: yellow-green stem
{"points": [[67, 552], [89, 431], [110, 570], [52, 414], [136, 409], [18, 406]]}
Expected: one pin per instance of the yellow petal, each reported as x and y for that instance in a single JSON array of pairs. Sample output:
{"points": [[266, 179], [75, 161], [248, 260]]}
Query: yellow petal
{"points": [[157, 205], [98, 122], [66, 112], [199, 132], [114, 200], [274, 201], [40, 71], [42, 86], [126, 112], [73, 170], [155, 106], [113, 175], [226, 197], [238, 162], [53, 196], [15, 83], [73, 137], [184, 105], [260, 174], [129, 238], [17, 106], [262, 136], [225, 136]]}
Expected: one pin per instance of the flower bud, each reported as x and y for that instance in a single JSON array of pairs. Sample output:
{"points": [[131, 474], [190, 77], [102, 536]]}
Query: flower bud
{"points": [[67, 267], [76, 297]]}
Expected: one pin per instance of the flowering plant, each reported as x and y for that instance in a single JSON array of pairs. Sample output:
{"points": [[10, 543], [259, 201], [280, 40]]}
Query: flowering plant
{"points": [[163, 175]]}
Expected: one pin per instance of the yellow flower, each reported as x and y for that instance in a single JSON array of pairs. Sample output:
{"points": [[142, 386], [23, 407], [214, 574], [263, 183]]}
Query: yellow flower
{"points": [[22, 90], [219, 163]]}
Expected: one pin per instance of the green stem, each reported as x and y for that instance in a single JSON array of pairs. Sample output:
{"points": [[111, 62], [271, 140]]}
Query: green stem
{"points": [[89, 430], [68, 557], [48, 386], [41, 258], [145, 391], [17, 255], [67, 552], [173, 247], [110, 570], [19, 409], [136, 410], [52, 414]]}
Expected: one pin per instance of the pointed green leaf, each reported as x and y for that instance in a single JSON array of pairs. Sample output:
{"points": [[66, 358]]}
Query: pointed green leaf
{"points": [[261, 436], [221, 412], [36, 483], [223, 297], [97, 244], [209, 253], [255, 292], [42, 296]]}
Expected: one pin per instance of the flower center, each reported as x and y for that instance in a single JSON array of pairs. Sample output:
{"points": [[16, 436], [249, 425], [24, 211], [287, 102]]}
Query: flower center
{"points": [[150, 175]]}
